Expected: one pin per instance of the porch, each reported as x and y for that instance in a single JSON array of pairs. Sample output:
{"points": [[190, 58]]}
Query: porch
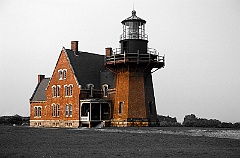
{"points": [[94, 112]]}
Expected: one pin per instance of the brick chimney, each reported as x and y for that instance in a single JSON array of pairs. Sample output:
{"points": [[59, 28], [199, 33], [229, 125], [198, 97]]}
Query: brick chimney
{"points": [[74, 46], [40, 77], [108, 51]]}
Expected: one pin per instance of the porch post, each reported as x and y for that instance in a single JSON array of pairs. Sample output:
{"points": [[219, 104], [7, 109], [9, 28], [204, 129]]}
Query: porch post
{"points": [[90, 110], [100, 111]]}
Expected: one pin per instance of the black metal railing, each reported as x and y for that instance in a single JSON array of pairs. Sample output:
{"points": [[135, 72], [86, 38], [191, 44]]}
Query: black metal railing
{"points": [[151, 56]]}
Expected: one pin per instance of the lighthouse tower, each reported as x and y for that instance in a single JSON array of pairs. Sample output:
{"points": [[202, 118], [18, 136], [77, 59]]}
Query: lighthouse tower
{"points": [[133, 64]]}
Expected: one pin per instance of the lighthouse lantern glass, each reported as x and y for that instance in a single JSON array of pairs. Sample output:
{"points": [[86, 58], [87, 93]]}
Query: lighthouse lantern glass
{"points": [[133, 30]]}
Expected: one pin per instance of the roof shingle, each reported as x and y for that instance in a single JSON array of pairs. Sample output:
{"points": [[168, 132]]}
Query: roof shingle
{"points": [[39, 93]]}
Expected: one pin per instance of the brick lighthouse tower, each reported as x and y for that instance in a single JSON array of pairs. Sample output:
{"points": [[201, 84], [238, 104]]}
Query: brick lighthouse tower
{"points": [[133, 64]]}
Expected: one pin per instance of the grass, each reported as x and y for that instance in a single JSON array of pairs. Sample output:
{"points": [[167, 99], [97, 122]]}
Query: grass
{"points": [[116, 142]]}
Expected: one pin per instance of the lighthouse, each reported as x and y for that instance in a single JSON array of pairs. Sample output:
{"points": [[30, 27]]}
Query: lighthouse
{"points": [[133, 64]]}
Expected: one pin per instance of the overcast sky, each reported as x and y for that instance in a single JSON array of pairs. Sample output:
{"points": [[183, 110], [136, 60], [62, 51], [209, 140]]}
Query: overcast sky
{"points": [[200, 39]]}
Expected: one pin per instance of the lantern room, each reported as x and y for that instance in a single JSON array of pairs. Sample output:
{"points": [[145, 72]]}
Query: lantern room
{"points": [[134, 28]]}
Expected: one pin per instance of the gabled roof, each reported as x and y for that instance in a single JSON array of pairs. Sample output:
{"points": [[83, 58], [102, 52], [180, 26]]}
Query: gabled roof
{"points": [[39, 93], [86, 67]]}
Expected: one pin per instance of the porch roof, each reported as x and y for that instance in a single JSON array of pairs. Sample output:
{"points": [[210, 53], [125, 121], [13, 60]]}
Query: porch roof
{"points": [[94, 100]]}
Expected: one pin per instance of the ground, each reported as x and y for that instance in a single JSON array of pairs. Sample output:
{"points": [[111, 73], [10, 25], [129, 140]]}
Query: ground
{"points": [[22, 141]]}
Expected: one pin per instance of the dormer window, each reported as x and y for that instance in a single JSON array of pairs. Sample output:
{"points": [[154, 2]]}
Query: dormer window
{"points": [[105, 89], [90, 87]]}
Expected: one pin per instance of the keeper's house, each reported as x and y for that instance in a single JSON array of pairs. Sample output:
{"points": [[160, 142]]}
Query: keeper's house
{"points": [[87, 89]]}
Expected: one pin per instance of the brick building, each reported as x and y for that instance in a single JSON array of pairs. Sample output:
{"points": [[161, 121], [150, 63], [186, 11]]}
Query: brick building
{"points": [[87, 89]]}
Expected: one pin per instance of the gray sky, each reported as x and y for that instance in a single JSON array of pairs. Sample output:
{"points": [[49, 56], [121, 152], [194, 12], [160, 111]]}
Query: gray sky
{"points": [[200, 38]]}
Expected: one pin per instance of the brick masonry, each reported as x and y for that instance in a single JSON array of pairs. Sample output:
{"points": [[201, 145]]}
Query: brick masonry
{"points": [[46, 119], [135, 90]]}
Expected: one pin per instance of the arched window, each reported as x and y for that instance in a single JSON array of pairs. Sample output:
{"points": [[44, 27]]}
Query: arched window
{"points": [[53, 110], [35, 112], [58, 91], [60, 73], [105, 89], [66, 109], [66, 90], [70, 110], [90, 87], [57, 110], [70, 90], [64, 74], [39, 111], [54, 91]]}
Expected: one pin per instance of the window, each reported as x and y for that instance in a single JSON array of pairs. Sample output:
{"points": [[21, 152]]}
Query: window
{"points": [[70, 90], [66, 111], [58, 91], [90, 87], [55, 110], [150, 103], [64, 74], [70, 110], [58, 110], [37, 111], [120, 107], [60, 73], [54, 91], [66, 90], [53, 105], [105, 89]]}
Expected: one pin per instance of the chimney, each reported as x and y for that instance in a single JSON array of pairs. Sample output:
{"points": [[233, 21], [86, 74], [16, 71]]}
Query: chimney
{"points": [[74, 46], [40, 77], [108, 51]]}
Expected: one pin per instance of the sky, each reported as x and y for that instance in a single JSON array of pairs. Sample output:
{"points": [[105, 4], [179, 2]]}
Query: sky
{"points": [[200, 40]]}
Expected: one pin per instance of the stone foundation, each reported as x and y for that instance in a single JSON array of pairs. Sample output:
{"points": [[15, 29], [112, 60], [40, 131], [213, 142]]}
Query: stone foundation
{"points": [[134, 123], [55, 123]]}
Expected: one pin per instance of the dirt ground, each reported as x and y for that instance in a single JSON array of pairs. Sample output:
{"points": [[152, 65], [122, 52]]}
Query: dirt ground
{"points": [[126, 142]]}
